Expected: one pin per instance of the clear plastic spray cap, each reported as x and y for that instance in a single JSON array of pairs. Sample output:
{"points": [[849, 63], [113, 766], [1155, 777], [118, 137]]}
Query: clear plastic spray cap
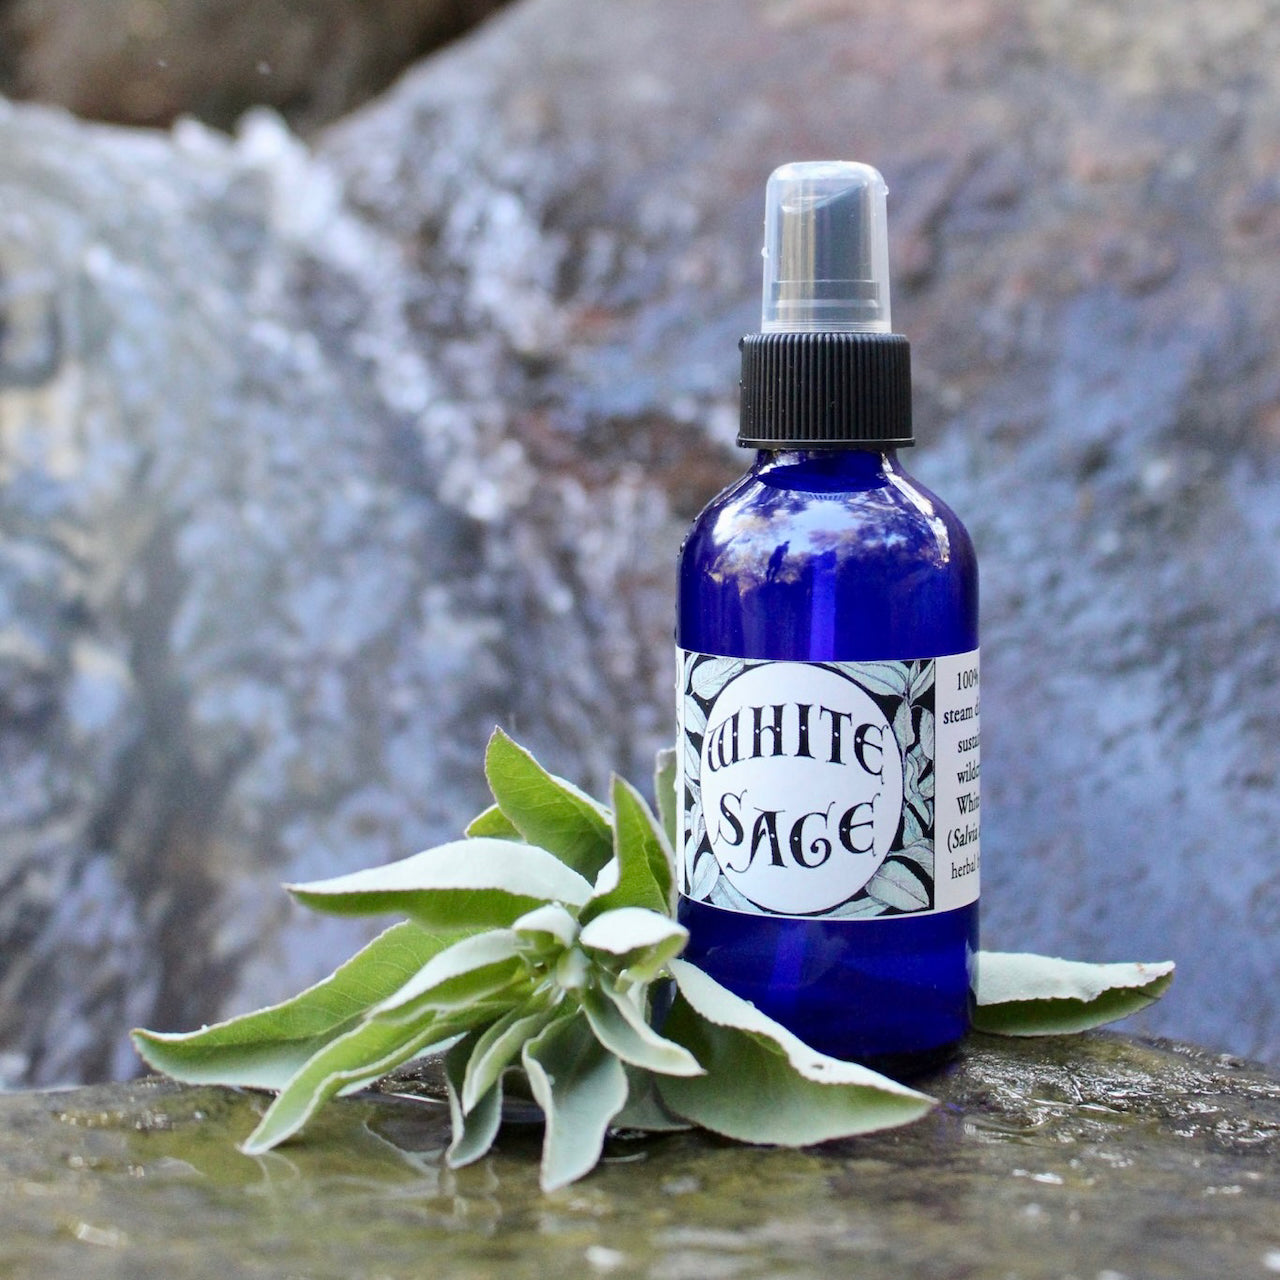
{"points": [[826, 249]]}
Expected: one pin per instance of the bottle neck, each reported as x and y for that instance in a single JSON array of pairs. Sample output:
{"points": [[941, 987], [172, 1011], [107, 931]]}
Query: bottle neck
{"points": [[850, 464]]}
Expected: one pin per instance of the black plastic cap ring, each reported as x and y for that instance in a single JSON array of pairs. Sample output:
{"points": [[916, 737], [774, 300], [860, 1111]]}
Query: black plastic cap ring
{"points": [[825, 391]]}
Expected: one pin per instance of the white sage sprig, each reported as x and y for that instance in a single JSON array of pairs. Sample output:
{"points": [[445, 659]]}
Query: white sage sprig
{"points": [[533, 948]]}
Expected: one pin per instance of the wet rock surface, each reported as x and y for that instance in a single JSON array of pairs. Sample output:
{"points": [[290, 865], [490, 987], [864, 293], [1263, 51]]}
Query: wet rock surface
{"points": [[1097, 1157], [315, 462]]}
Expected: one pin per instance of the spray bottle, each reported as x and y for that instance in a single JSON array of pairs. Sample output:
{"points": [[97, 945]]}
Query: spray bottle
{"points": [[827, 655]]}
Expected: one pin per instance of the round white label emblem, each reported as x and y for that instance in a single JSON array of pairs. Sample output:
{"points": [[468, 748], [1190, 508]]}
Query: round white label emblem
{"points": [[801, 786]]}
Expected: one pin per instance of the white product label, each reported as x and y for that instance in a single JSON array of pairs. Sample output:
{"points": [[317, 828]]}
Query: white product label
{"points": [[832, 790]]}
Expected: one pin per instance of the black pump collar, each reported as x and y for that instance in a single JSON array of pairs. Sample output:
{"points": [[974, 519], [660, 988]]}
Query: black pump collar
{"points": [[825, 390]]}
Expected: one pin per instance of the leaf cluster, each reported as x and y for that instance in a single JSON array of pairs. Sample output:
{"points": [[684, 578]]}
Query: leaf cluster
{"points": [[534, 955]]}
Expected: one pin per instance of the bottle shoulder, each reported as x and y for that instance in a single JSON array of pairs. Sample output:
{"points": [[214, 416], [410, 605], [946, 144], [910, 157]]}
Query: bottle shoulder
{"points": [[842, 515], [834, 558]]}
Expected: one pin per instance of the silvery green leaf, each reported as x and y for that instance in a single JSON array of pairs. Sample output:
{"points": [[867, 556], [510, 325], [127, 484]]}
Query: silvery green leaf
{"points": [[580, 1087], [572, 970], [664, 790], [1031, 995], [493, 822], [634, 940], [762, 1083], [898, 885], [496, 1048], [546, 929], [640, 874], [635, 823], [608, 880], [352, 1061], [644, 1109], [263, 1050], [474, 1127], [477, 968], [462, 886], [623, 1030], [546, 810]]}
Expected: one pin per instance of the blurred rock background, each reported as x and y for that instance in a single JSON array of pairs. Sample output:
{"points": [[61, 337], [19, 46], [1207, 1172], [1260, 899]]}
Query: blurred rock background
{"points": [[317, 458], [145, 62]]}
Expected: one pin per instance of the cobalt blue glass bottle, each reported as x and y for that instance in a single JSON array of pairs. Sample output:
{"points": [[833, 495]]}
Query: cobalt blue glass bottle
{"points": [[827, 635]]}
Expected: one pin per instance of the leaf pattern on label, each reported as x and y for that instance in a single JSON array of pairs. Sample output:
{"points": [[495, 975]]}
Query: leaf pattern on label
{"points": [[912, 831], [710, 676], [892, 678], [692, 750], [921, 680], [864, 908], [911, 767], [926, 732], [903, 730], [697, 827], [725, 895], [897, 884], [921, 854], [706, 871]]}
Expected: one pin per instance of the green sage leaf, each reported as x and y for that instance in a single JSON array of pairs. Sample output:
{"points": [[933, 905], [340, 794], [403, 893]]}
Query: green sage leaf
{"points": [[474, 1128], [351, 1061], [545, 931], [497, 1047], [1031, 995], [548, 811], [644, 1109], [640, 873], [624, 1031], [493, 822], [462, 886], [263, 1050], [573, 970], [762, 1084], [580, 1087], [634, 940], [664, 792], [481, 968]]}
